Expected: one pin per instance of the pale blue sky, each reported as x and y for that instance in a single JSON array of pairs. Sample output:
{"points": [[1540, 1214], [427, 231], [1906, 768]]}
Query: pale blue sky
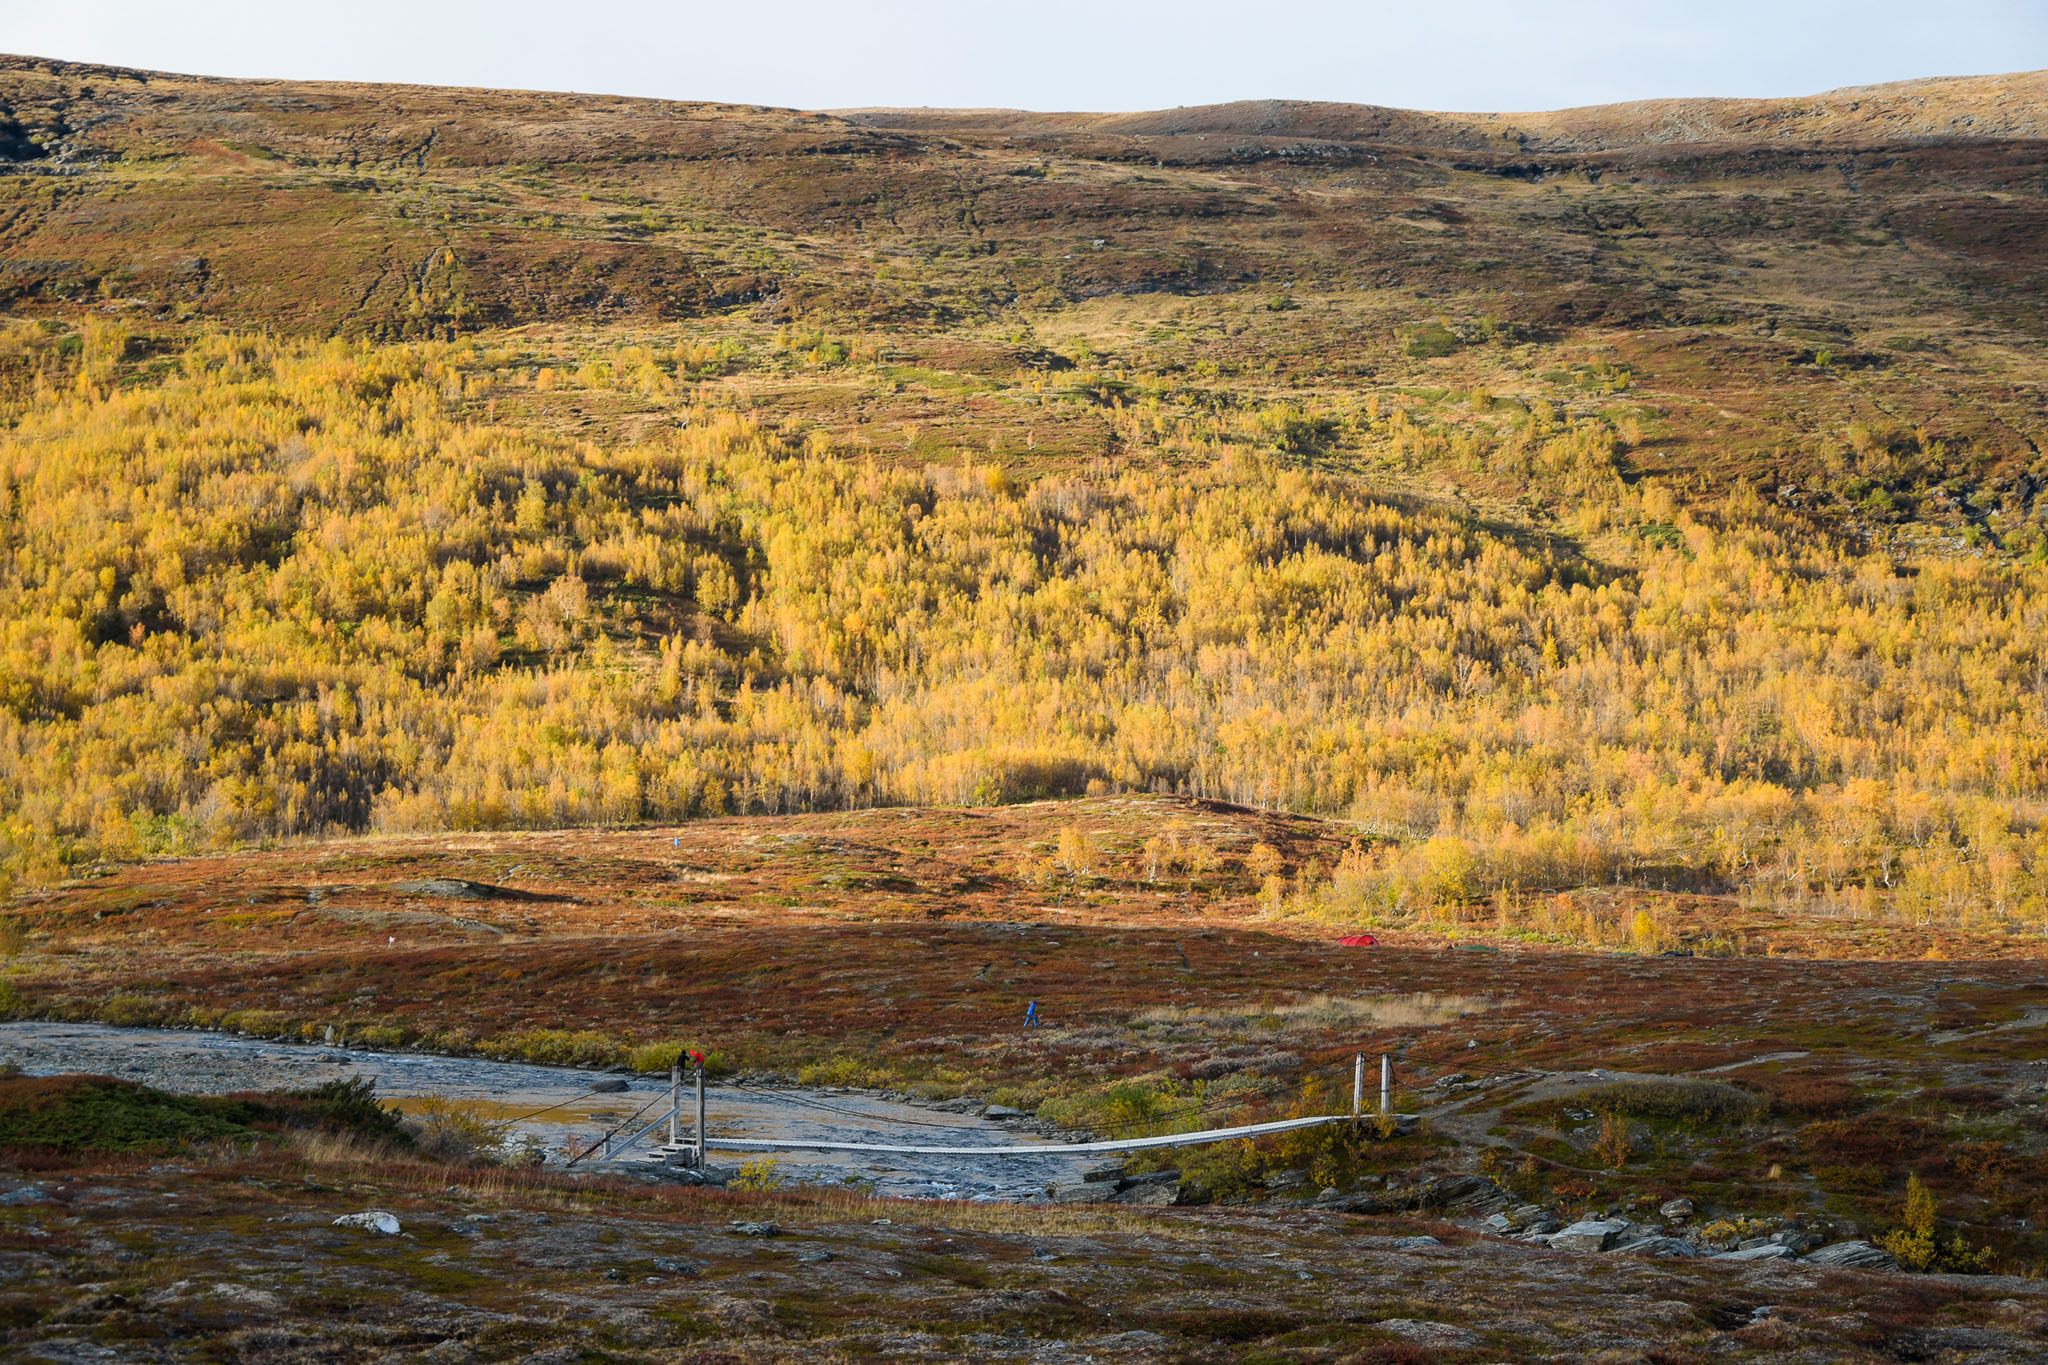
{"points": [[1450, 54]]}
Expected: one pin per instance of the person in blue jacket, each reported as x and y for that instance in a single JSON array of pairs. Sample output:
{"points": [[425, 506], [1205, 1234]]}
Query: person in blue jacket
{"points": [[1031, 1015]]}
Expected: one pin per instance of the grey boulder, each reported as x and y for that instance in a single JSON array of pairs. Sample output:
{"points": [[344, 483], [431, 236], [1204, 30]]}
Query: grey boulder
{"points": [[1858, 1254], [1657, 1246], [1766, 1251], [1592, 1234]]}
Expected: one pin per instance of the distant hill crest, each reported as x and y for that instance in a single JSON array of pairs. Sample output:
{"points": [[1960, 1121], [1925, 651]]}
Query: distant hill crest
{"points": [[2013, 106], [1993, 107]]}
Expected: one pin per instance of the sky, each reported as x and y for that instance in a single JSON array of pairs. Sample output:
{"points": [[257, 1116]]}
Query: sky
{"points": [[1059, 54]]}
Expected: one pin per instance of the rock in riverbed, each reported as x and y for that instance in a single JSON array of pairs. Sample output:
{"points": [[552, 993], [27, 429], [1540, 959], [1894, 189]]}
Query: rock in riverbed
{"points": [[370, 1220]]}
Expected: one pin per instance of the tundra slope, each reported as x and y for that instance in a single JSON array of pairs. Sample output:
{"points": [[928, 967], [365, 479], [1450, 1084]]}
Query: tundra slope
{"points": [[897, 949], [1573, 334], [1708, 241]]}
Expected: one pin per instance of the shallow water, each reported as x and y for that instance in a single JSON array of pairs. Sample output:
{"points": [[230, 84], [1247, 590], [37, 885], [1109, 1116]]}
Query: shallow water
{"points": [[554, 1104]]}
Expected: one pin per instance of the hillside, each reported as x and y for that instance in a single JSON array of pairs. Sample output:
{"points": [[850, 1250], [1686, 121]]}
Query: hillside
{"points": [[564, 580], [1767, 274], [1671, 521]]}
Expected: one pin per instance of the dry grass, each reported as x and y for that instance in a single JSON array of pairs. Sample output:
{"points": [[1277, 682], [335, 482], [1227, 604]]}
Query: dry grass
{"points": [[455, 1130], [1421, 1009], [326, 1150]]}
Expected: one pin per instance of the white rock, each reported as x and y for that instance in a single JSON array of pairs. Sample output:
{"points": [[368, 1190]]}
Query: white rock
{"points": [[370, 1220]]}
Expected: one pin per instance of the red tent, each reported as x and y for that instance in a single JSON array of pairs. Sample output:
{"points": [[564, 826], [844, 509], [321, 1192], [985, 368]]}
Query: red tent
{"points": [[1359, 941]]}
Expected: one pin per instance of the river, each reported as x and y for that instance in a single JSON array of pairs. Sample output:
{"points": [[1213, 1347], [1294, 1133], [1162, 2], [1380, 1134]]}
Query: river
{"points": [[554, 1106]]}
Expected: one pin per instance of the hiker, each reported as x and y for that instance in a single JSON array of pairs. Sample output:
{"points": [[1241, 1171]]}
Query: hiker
{"points": [[1031, 1015]]}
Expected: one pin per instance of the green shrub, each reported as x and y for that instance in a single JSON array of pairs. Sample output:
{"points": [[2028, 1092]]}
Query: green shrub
{"points": [[1128, 1108], [1919, 1245], [352, 1103], [555, 1047], [380, 1036], [77, 1114], [348, 1105], [1433, 341], [257, 1023], [1024, 1097], [862, 1072], [131, 1011]]}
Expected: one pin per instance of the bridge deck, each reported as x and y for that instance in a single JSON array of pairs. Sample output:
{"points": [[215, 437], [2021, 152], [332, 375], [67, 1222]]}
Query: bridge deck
{"points": [[1016, 1149]]}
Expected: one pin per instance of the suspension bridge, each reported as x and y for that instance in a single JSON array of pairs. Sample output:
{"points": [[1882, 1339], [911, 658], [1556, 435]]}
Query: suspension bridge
{"points": [[678, 1150]]}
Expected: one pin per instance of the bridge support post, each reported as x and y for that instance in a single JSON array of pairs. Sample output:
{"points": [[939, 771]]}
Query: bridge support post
{"points": [[675, 1101], [700, 1113], [1358, 1085], [1386, 1085]]}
